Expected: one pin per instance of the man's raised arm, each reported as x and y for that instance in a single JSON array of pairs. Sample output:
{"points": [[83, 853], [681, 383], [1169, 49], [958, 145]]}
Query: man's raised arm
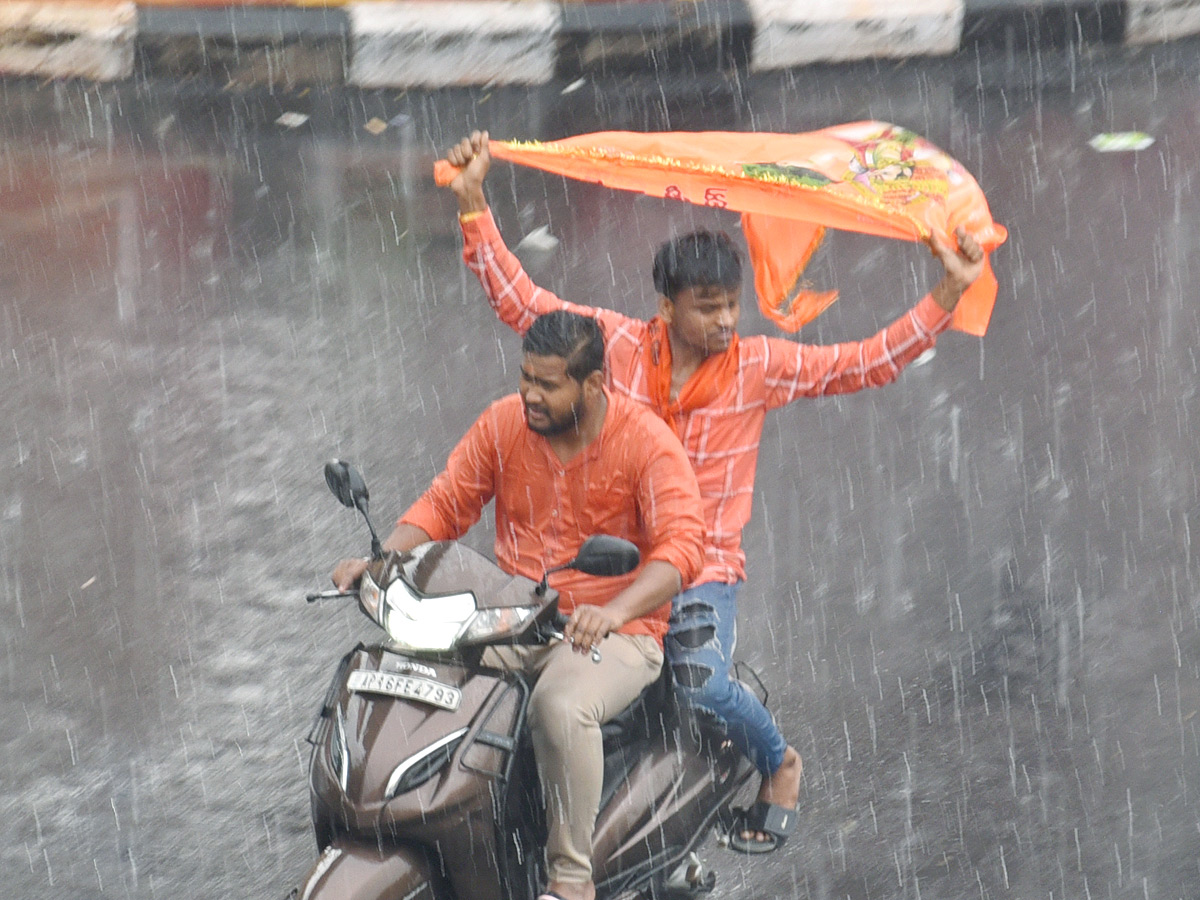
{"points": [[815, 370], [510, 291]]}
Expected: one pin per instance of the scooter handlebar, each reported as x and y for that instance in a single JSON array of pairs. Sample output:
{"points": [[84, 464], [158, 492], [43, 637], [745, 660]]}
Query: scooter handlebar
{"points": [[328, 595]]}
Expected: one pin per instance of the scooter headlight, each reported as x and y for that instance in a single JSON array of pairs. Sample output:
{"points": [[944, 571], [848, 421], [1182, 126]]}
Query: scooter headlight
{"points": [[418, 623], [492, 623], [369, 595]]}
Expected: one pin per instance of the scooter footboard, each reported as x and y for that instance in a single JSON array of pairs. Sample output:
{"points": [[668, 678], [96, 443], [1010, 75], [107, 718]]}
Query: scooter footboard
{"points": [[349, 871]]}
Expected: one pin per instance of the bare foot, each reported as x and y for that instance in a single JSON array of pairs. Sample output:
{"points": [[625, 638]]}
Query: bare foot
{"points": [[572, 890], [781, 788]]}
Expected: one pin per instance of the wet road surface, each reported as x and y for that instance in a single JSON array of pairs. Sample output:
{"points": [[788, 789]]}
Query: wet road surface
{"points": [[972, 593]]}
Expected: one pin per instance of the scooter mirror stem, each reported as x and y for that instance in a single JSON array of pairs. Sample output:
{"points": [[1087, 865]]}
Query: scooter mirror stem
{"points": [[376, 546], [545, 585]]}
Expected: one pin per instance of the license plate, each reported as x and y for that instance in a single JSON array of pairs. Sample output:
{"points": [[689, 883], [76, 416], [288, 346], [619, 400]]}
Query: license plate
{"points": [[423, 690]]}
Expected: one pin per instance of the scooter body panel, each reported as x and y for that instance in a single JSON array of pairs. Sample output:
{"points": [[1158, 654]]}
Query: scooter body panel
{"points": [[661, 811], [348, 871], [457, 760]]}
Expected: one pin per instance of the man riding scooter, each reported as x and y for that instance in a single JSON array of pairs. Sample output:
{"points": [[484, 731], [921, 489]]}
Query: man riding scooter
{"points": [[564, 459], [714, 390]]}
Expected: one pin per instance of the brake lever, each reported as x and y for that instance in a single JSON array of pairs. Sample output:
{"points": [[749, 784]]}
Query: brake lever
{"points": [[562, 637]]}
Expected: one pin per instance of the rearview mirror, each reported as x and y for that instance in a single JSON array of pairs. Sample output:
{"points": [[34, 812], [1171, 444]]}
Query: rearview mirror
{"points": [[347, 485], [603, 554], [350, 489]]}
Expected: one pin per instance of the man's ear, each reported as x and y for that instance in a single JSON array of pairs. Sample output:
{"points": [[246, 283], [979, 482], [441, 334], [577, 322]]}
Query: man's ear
{"points": [[666, 308], [593, 384]]}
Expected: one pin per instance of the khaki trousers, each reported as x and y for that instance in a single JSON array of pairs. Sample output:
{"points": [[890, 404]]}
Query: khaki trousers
{"points": [[572, 697]]}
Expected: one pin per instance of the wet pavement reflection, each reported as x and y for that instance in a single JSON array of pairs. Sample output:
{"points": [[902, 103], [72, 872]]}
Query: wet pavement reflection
{"points": [[971, 594]]}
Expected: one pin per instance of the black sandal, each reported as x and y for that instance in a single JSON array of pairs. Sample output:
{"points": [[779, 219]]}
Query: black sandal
{"points": [[776, 822]]}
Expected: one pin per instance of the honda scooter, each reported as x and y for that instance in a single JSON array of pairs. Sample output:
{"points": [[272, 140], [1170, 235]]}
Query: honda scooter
{"points": [[422, 779]]}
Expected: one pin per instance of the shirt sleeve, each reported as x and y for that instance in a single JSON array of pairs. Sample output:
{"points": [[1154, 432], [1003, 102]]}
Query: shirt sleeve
{"points": [[510, 291], [796, 370], [455, 499], [669, 503]]}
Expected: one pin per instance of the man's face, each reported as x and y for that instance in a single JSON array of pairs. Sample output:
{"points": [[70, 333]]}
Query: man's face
{"points": [[552, 398], [704, 318]]}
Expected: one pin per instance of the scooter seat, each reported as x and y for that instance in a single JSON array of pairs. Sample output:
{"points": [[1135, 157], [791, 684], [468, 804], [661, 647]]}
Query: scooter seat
{"points": [[632, 733], [651, 714]]}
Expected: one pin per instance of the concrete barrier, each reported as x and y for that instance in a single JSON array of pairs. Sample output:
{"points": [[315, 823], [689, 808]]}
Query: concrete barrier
{"points": [[68, 39], [437, 43], [1152, 21], [789, 34], [429, 44]]}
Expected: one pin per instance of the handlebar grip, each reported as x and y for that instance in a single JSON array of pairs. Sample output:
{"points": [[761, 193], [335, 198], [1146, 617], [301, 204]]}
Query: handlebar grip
{"points": [[327, 595], [594, 650]]}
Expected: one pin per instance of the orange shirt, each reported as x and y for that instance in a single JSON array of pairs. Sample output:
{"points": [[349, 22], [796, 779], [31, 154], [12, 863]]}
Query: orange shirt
{"points": [[633, 481], [722, 437]]}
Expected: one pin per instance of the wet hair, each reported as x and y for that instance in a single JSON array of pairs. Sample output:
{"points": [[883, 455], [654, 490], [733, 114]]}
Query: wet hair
{"points": [[575, 338], [699, 259]]}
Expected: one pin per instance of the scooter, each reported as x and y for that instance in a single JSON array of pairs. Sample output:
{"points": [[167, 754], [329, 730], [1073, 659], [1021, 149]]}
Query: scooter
{"points": [[422, 779]]}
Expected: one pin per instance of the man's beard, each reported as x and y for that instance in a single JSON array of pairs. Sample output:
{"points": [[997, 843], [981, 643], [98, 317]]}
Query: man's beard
{"points": [[553, 427]]}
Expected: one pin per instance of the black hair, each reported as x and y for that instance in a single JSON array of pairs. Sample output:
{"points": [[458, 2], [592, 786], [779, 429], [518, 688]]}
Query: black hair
{"points": [[575, 338], [699, 259]]}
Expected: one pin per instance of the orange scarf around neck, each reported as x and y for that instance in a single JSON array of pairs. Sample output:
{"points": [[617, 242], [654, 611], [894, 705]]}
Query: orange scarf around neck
{"points": [[715, 373]]}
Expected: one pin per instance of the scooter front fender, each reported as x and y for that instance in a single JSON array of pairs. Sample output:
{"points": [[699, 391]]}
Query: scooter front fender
{"points": [[350, 871]]}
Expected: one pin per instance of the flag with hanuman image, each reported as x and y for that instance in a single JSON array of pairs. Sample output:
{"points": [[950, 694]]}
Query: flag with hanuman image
{"points": [[866, 177]]}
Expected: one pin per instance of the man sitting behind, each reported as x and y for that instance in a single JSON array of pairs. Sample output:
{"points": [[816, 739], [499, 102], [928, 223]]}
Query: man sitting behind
{"points": [[565, 459]]}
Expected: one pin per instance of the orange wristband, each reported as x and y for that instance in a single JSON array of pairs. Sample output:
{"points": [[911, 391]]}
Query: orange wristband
{"points": [[464, 218]]}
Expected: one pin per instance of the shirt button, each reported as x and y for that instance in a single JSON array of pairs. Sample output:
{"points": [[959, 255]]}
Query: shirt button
{"points": [[554, 513]]}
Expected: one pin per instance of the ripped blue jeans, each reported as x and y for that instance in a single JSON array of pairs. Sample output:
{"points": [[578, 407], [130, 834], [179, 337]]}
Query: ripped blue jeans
{"points": [[699, 649]]}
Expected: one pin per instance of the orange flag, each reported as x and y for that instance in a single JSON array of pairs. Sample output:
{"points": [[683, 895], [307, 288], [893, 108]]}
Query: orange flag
{"points": [[867, 177]]}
